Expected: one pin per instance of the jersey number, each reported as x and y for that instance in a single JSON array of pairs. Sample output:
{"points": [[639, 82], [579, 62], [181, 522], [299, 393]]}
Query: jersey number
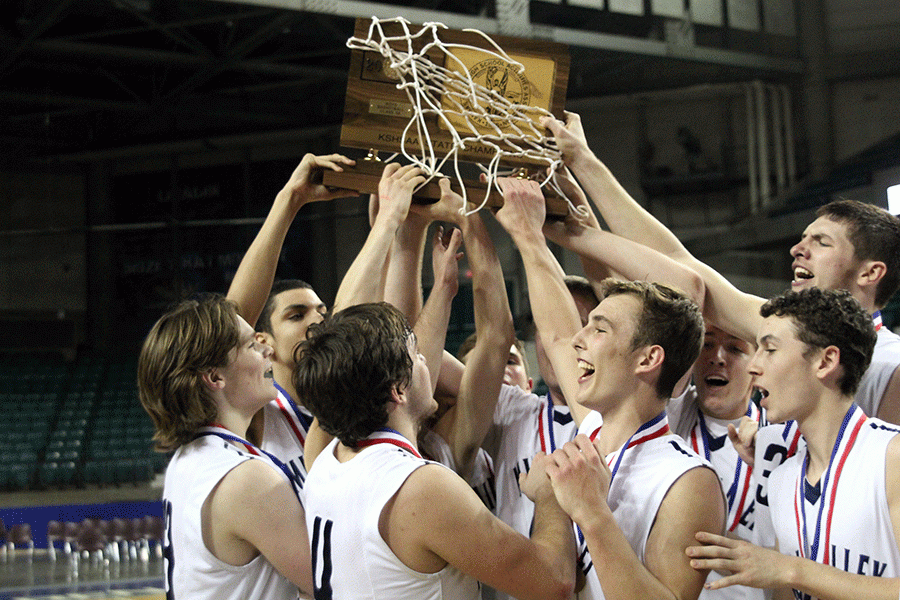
{"points": [[321, 546], [168, 554]]}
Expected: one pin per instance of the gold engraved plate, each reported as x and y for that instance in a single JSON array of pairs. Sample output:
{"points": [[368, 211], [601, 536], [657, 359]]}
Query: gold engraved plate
{"points": [[532, 87], [386, 108]]}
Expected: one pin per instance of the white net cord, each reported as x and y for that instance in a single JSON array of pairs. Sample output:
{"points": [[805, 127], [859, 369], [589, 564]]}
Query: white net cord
{"points": [[435, 90]]}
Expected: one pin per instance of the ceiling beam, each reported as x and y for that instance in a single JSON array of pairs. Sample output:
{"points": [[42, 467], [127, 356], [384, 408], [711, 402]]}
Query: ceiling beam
{"points": [[143, 56], [574, 37]]}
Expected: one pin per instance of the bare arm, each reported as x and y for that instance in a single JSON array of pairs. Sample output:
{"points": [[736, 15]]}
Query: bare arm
{"points": [[251, 285], [724, 305], [431, 325], [555, 314], [403, 279], [254, 509], [395, 189], [764, 568], [466, 424], [594, 271], [889, 409], [403, 284], [461, 531], [581, 480], [630, 259]]}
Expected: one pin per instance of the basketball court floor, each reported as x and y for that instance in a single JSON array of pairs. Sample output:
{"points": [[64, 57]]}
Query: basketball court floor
{"points": [[38, 577]]}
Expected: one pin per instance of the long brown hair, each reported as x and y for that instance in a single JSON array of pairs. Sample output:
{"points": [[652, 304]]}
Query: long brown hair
{"points": [[186, 342]]}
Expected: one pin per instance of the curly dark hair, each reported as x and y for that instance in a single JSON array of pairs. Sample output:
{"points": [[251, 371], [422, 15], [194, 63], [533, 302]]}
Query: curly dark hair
{"points": [[668, 318], [830, 318], [875, 235], [348, 366]]}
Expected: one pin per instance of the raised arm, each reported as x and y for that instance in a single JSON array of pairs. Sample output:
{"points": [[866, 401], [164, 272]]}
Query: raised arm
{"points": [[594, 271], [363, 280], [466, 424], [403, 284], [253, 280], [725, 306], [431, 325], [631, 260], [555, 314]]}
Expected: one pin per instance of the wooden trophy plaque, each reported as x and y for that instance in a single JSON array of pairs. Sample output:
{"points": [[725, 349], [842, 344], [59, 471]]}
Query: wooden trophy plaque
{"points": [[376, 112]]}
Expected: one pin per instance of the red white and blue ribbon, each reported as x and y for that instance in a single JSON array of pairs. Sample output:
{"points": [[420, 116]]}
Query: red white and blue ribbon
{"points": [[740, 484], [656, 427], [876, 320], [386, 435], [298, 421], [852, 423], [545, 426]]}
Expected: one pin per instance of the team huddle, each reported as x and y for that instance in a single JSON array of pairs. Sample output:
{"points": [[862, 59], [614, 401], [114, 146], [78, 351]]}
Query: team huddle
{"points": [[695, 441]]}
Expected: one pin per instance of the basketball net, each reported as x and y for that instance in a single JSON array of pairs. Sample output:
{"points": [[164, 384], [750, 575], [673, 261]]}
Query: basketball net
{"points": [[508, 129]]}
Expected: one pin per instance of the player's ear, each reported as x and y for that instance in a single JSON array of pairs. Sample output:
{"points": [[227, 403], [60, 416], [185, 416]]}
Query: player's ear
{"points": [[266, 338], [871, 272], [398, 398], [213, 379], [829, 362], [650, 358]]}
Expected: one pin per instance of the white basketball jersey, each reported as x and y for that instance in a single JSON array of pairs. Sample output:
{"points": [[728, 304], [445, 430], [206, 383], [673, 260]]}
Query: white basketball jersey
{"points": [[776, 443], [643, 471], [192, 572], [844, 520], [708, 437], [286, 425], [344, 502], [885, 360], [525, 424]]}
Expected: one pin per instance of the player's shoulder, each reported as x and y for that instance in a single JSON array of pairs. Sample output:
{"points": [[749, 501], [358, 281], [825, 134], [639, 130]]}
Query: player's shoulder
{"points": [[696, 491], [252, 478], [433, 490], [431, 479], [893, 446]]}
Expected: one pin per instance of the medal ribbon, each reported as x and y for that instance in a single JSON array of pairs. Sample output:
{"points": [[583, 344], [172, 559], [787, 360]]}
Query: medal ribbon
{"points": [[852, 423], [299, 422], [656, 427], [386, 435], [732, 494], [226, 434], [876, 320], [545, 427]]}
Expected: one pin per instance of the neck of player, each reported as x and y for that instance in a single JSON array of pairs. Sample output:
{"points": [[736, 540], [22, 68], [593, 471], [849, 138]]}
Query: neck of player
{"points": [[620, 423], [820, 428]]}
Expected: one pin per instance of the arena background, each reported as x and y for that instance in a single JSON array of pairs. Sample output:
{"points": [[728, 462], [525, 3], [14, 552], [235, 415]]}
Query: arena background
{"points": [[143, 141]]}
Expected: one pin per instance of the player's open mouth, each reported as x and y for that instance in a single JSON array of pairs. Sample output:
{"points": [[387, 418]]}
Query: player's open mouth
{"points": [[716, 381], [761, 392], [587, 369], [800, 274]]}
